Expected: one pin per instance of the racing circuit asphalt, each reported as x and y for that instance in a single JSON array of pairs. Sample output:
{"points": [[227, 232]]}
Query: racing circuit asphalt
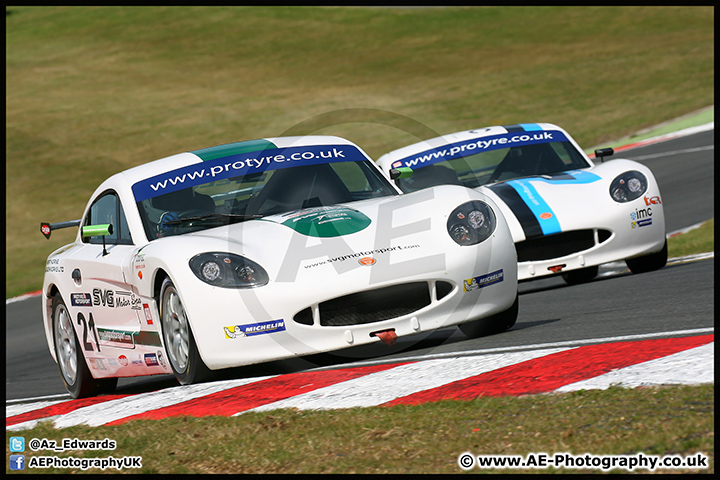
{"points": [[678, 297]]}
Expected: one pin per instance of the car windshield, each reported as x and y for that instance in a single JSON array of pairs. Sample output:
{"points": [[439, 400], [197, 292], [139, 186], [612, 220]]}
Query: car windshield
{"points": [[257, 193], [472, 168]]}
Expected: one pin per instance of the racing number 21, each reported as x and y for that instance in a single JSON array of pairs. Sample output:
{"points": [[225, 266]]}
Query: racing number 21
{"points": [[88, 346]]}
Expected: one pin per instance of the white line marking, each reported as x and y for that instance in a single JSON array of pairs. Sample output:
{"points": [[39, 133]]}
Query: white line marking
{"points": [[685, 230], [60, 397], [665, 154]]}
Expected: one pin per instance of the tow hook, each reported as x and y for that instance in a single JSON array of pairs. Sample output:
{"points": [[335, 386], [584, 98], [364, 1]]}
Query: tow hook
{"points": [[388, 337]]}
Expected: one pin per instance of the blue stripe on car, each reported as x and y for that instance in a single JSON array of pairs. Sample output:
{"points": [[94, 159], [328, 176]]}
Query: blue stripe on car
{"points": [[543, 213], [511, 198], [529, 206]]}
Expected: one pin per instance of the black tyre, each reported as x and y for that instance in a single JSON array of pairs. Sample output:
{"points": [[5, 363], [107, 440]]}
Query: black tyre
{"points": [[75, 374], [497, 323], [648, 263], [179, 341], [584, 275]]}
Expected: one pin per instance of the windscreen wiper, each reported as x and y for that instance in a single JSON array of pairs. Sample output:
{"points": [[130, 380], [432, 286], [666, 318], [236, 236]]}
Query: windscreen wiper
{"points": [[233, 217]]}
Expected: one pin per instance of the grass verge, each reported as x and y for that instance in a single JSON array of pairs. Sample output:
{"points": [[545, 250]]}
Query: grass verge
{"points": [[699, 240]]}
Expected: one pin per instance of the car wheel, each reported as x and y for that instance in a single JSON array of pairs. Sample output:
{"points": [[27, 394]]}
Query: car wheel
{"points": [[75, 374], [583, 275], [497, 323], [648, 263], [179, 341]]}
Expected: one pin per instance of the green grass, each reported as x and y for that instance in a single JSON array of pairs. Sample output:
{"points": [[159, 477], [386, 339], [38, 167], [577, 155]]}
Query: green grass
{"points": [[91, 91], [699, 240], [413, 439]]}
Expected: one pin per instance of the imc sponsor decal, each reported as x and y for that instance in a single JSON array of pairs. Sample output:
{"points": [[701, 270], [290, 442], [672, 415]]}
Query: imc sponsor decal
{"points": [[252, 329], [641, 217], [483, 280]]}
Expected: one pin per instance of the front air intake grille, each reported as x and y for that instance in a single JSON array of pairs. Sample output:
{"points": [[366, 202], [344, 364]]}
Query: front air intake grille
{"points": [[374, 305], [558, 245]]}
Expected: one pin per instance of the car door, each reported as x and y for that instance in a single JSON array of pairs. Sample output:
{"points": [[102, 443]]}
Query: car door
{"points": [[112, 320]]}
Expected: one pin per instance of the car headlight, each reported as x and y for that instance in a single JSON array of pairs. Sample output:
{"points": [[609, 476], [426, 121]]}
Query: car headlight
{"points": [[471, 223], [628, 186], [228, 270]]}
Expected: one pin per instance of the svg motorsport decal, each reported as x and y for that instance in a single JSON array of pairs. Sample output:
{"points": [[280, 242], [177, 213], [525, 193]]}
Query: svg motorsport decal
{"points": [[117, 299], [326, 222], [483, 280], [127, 299], [236, 164], [364, 257], [252, 329]]}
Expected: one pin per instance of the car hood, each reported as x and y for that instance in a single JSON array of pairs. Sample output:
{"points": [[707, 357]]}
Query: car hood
{"points": [[309, 244], [572, 200]]}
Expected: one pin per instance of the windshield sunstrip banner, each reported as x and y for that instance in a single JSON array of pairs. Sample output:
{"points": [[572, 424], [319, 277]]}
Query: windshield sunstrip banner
{"points": [[243, 164], [475, 146]]}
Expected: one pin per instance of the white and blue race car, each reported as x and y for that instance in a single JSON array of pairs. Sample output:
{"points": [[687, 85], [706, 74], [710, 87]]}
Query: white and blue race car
{"points": [[567, 214], [263, 250]]}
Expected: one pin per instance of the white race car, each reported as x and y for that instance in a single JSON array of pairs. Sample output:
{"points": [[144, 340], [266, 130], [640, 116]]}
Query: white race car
{"points": [[263, 250], [567, 214]]}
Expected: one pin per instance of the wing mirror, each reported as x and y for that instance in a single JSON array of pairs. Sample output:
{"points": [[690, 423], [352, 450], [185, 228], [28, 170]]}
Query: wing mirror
{"points": [[98, 231], [402, 172], [603, 152]]}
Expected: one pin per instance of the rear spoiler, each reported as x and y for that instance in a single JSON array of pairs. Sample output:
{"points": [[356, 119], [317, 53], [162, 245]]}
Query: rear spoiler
{"points": [[47, 228]]}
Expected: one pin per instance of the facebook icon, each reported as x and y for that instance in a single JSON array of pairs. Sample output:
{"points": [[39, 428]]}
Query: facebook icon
{"points": [[17, 462]]}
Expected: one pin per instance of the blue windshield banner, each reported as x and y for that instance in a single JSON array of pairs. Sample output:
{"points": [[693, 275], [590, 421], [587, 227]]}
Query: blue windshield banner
{"points": [[479, 145], [243, 164]]}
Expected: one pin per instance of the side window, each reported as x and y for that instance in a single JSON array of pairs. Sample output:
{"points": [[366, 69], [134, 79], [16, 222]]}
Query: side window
{"points": [[107, 209]]}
